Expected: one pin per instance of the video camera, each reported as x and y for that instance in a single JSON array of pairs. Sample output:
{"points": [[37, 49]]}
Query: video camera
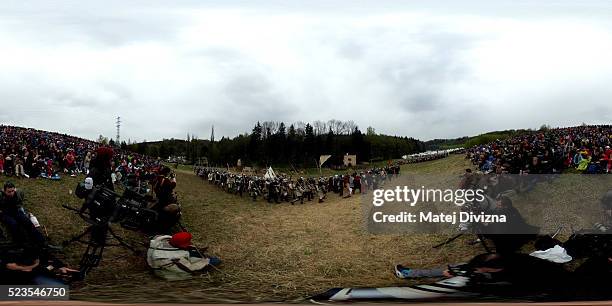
{"points": [[102, 206]]}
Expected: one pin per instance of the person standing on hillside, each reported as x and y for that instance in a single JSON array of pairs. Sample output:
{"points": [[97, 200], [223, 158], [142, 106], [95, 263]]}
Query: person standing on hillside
{"points": [[70, 163], [19, 170], [86, 162], [9, 165]]}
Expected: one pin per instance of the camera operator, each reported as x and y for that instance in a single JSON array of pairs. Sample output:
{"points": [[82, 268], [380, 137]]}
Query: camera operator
{"points": [[15, 218], [167, 207], [100, 170], [164, 185]]}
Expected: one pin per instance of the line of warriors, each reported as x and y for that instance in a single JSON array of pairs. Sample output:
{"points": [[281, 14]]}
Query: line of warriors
{"points": [[283, 188]]}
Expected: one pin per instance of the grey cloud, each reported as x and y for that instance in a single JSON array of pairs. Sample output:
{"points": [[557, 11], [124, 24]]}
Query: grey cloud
{"points": [[253, 94], [121, 31], [218, 54], [71, 100], [121, 92], [92, 23], [351, 50], [85, 102], [420, 82]]}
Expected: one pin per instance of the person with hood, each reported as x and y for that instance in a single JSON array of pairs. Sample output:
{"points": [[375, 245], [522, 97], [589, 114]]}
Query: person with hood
{"points": [[584, 162], [175, 258], [101, 168]]}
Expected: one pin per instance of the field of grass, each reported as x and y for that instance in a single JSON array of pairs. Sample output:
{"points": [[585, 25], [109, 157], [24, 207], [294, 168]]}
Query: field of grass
{"points": [[277, 252]]}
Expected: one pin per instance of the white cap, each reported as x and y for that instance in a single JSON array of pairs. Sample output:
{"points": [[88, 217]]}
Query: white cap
{"points": [[88, 183]]}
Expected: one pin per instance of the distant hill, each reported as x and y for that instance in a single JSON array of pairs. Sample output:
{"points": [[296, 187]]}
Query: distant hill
{"points": [[441, 144], [466, 141]]}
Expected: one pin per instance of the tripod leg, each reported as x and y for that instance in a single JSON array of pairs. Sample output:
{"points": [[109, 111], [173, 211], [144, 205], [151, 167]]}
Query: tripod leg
{"points": [[483, 242], [90, 259], [449, 240], [122, 242], [78, 237]]}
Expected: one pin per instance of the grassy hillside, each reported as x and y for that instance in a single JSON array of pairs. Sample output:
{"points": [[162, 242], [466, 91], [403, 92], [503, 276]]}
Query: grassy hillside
{"points": [[466, 142]]}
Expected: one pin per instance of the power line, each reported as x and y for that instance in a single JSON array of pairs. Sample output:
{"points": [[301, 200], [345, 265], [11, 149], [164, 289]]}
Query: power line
{"points": [[118, 128]]}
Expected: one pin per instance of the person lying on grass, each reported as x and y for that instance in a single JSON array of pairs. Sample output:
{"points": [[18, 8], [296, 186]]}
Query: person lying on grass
{"points": [[499, 273]]}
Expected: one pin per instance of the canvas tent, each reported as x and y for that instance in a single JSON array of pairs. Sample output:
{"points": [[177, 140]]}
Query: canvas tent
{"points": [[270, 174]]}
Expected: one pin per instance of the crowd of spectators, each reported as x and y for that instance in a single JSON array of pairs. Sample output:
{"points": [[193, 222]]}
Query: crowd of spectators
{"points": [[31, 153], [584, 148], [25, 153]]}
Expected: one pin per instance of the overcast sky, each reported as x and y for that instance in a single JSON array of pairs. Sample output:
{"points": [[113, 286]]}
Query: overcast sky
{"points": [[426, 69]]}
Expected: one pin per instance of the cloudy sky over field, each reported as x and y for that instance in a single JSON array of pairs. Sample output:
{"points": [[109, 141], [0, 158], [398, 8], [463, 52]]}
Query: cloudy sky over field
{"points": [[427, 69]]}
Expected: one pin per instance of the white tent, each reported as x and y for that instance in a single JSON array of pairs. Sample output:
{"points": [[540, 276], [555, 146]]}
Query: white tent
{"points": [[270, 174]]}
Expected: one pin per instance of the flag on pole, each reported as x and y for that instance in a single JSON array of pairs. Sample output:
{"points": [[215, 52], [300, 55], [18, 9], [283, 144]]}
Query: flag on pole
{"points": [[323, 159]]}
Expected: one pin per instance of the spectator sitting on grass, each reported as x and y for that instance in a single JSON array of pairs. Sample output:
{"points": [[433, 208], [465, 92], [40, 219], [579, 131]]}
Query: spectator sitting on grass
{"points": [[13, 215], [33, 266], [175, 258]]}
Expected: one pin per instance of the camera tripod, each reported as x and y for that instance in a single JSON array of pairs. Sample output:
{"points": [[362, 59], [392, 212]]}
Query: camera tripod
{"points": [[98, 235], [479, 238]]}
